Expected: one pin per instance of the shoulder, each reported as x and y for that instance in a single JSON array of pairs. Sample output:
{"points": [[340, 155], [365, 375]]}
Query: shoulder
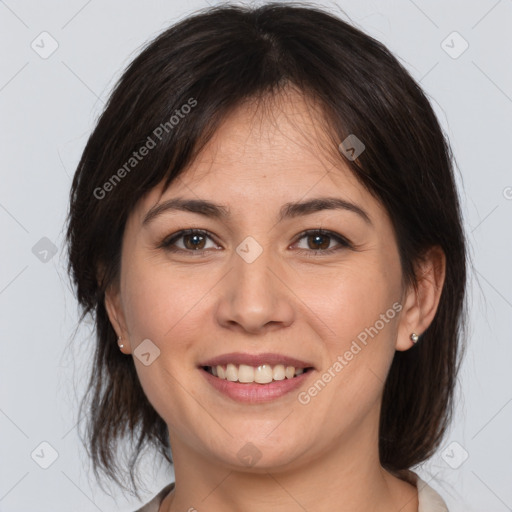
{"points": [[154, 504], [429, 500]]}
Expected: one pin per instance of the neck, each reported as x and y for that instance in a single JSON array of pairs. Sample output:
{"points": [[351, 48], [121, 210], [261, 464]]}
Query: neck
{"points": [[348, 477]]}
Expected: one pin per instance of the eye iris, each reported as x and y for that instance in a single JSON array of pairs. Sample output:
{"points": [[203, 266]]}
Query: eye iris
{"points": [[196, 244], [318, 240]]}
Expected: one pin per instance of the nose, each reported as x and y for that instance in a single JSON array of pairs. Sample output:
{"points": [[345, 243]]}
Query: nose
{"points": [[254, 297]]}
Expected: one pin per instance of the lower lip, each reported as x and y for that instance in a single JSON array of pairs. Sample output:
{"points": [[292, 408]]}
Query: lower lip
{"points": [[255, 393]]}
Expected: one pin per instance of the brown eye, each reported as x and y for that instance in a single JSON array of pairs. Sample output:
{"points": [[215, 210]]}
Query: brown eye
{"points": [[320, 242], [189, 240], [194, 242], [316, 242]]}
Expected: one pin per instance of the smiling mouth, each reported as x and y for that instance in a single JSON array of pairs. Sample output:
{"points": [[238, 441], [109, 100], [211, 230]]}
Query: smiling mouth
{"points": [[262, 374]]}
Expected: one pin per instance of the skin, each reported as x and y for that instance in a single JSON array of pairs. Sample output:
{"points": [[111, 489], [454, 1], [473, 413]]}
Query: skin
{"points": [[322, 456]]}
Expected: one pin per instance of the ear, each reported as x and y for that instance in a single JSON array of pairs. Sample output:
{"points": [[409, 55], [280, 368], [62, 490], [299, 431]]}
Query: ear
{"points": [[421, 301], [116, 316]]}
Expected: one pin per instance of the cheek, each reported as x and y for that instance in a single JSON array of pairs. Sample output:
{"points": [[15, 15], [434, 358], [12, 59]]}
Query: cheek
{"points": [[158, 304], [358, 312], [349, 300], [164, 307], [357, 308]]}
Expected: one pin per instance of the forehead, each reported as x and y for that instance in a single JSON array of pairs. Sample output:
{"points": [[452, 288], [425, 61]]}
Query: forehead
{"points": [[269, 151], [282, 135]]}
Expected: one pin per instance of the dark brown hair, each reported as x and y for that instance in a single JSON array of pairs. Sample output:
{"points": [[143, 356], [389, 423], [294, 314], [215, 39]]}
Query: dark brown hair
{"points": [[219, 58]]}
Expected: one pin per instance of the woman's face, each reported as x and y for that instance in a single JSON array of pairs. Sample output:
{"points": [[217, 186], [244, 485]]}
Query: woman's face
{"points": [[257, 284]]}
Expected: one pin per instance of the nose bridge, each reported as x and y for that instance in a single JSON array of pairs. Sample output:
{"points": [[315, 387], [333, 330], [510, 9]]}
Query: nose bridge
{"points": [[253, 297], [252, 277], [251, 271]]}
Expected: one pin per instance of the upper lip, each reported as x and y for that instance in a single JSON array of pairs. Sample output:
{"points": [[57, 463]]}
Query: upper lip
{"points": [[256, 360]]}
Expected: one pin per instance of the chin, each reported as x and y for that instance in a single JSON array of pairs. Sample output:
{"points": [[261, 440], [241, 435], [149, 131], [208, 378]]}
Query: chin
{"points": [[260, 456]]}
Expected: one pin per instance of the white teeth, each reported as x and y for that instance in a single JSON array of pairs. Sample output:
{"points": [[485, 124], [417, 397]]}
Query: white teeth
{"points": [[263, 374], [289, 372], [231, 372], [278, 373], [245, 373]]}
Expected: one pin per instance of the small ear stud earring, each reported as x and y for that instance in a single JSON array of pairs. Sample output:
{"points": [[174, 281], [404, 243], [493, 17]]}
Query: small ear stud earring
{"points": [[414, 337], [121, 345]]}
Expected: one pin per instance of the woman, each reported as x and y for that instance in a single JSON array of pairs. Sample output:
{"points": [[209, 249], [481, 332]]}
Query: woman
{"points": [[265, 227]]}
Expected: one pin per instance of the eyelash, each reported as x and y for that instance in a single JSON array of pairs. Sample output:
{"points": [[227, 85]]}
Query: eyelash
{"points": [[168, 242]]}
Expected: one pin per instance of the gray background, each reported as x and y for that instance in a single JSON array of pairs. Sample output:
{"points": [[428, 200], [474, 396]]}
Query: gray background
{"points": [[49, 107]]}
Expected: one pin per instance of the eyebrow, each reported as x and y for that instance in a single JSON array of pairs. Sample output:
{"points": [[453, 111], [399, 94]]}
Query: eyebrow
{"points": [[288, 210]]}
